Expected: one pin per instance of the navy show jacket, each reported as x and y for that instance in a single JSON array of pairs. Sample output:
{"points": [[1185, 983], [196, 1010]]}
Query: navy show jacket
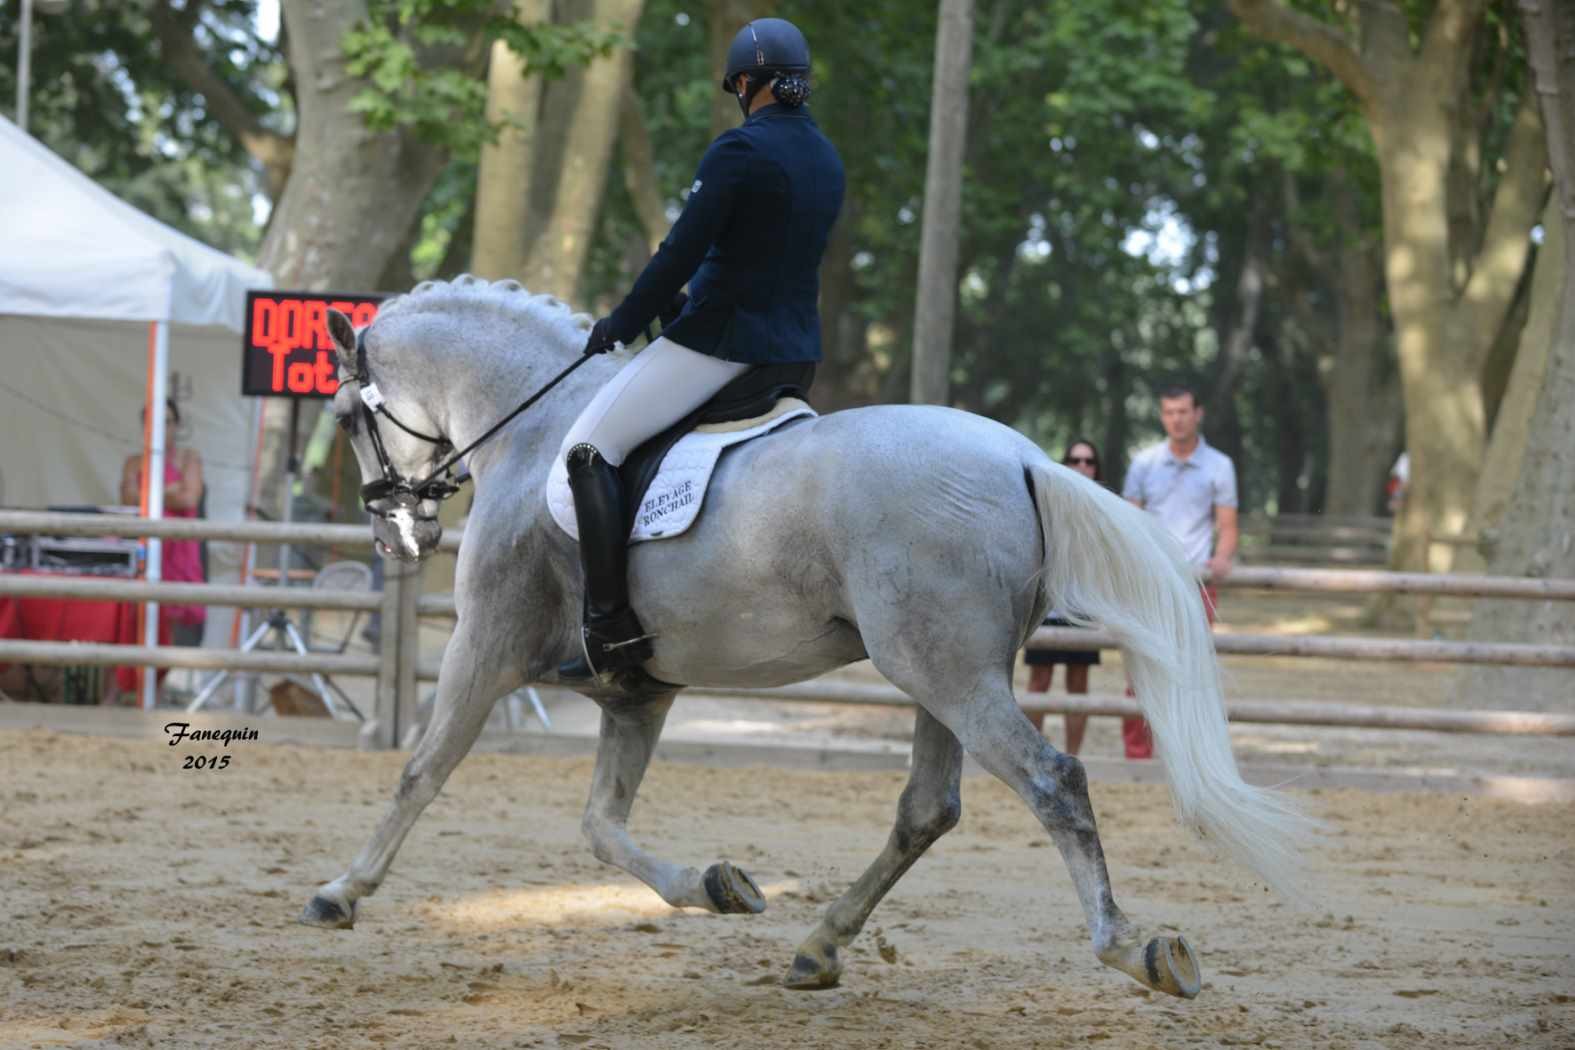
{"points": [[749, 243]]}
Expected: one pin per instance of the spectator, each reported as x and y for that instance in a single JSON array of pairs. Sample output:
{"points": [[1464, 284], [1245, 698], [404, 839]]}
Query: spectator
{"points": [[1083, 457], [1191, 488], [1399, 481], [181, 560]]}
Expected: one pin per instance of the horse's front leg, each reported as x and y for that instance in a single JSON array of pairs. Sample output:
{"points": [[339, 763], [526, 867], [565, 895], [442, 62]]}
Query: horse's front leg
{"points": [[472, 678], [628, 738]]}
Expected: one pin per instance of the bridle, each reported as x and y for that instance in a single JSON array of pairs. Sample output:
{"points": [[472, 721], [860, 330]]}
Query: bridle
{"points": [[403, 492], [406, 494]]}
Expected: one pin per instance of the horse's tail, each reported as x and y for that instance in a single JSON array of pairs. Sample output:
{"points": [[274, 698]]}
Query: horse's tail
{"points": [[1109, 564]]}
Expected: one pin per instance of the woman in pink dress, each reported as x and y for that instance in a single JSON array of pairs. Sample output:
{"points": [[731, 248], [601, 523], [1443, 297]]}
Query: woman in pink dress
{"points": [[181, 559]]}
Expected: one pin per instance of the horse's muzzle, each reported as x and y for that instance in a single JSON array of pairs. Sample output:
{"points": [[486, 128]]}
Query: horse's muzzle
{"points": [[405, 535]]}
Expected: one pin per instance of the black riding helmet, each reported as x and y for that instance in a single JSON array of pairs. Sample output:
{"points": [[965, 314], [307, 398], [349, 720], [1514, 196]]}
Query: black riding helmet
{"points": [[769, 48]]}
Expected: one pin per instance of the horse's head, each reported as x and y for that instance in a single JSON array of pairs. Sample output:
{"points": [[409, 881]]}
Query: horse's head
{"points": [[396, 444]]}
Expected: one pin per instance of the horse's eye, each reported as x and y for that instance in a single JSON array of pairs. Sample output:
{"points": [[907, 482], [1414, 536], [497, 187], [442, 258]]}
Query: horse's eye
{"points": [[346, 422]]}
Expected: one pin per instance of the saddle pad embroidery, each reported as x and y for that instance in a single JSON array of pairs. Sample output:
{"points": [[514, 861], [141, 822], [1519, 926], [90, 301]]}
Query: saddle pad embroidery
{"points": [[673, 501]]}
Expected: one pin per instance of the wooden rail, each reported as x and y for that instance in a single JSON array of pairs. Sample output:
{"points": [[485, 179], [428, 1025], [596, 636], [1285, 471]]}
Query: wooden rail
{"points": [[92, 654], [294, 533], [81, 588], [1339, 648], [1260, 712], [1375, 581]]}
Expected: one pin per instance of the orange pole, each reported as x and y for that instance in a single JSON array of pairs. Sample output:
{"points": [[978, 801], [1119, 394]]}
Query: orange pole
{"points": [[253, 495]]}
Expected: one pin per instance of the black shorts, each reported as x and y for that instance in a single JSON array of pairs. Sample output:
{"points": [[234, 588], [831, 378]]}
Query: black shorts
{"points": [[1070, 657]]}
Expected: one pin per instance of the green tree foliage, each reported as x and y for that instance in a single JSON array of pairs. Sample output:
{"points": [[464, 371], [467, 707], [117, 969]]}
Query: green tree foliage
{"points": [[393, 49], [104, 98]]}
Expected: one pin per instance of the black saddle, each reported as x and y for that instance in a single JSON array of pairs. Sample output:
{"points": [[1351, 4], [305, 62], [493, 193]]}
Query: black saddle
{"points": [[752, 394]]}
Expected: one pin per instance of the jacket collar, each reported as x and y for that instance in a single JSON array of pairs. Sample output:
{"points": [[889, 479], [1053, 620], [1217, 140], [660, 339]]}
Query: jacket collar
{"points": [[777, 109], [1197, 452]]}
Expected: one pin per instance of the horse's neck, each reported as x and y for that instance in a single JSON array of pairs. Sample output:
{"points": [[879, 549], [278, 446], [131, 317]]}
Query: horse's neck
{"points": [[473, 402]]}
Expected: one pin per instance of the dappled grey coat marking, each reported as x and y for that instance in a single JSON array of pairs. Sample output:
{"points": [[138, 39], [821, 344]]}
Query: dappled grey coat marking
{"points": [[930, 540]]}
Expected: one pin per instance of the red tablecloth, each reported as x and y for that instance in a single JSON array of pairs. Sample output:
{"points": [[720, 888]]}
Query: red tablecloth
{"points": [[62, 620]]}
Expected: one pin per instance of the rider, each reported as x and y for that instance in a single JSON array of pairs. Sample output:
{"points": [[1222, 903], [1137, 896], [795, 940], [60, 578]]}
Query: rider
{"points": [[749, 243]]}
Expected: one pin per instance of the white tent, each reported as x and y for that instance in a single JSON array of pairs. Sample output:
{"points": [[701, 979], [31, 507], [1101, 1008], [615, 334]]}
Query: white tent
{"points": [[100, 306]]}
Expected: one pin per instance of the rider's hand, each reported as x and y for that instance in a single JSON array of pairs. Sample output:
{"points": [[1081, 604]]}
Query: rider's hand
{"points": [[674, 308], [601, 339]]}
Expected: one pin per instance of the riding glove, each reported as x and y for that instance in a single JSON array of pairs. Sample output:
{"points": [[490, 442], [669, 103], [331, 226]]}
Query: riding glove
{"points": [[601, 338]]}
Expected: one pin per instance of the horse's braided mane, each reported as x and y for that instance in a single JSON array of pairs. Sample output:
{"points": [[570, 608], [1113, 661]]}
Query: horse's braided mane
{"points": [[465, 290]]}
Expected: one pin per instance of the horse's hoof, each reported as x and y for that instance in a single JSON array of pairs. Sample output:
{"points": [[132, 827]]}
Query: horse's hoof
{"points": [[812, 972], [733, 891], [327, 914], [1170, 967]]}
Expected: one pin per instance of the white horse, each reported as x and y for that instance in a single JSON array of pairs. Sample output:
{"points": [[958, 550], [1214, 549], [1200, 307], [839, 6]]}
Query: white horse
{"points": [[929, 540]]}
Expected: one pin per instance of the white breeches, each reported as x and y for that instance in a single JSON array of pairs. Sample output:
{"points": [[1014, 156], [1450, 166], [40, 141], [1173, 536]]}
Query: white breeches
{"points": [[663, 384]]}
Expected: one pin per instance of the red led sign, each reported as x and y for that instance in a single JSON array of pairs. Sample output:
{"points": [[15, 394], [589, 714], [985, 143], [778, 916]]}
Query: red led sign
{"points": [[286, 350]]}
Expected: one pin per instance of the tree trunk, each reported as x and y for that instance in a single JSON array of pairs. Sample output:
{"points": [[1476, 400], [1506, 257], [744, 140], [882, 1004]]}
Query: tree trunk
{"points": [[1446, 427], [841, 342], [1537, 536], [639, 170], [1448, 305], [1118, 426], [1512, 431], [351, 197], [503, 182], [724, 18], [936, 307], [1236, 341], [1500, 363], [557, 256], [1363, 391], [1290, 433]]}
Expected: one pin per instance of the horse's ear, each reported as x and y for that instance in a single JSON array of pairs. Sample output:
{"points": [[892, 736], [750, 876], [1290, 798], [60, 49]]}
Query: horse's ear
{"points": [[342, 332]]}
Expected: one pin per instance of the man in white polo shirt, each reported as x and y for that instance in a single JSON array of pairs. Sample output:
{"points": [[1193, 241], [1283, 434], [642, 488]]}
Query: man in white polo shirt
{"points": [[1191, 488]]}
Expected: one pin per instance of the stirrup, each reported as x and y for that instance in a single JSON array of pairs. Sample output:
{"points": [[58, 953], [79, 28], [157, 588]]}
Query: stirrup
{"points": [[618, 675], [609, 645]]}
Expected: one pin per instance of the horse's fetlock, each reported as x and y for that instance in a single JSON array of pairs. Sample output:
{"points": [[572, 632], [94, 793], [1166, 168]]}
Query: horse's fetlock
{"points": [[599, 834]]}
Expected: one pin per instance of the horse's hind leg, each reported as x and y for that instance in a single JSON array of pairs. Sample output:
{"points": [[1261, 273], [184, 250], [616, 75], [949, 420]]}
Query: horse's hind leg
{"points": [[628, 737], [996, 733], [466, 694], [930, 806]]}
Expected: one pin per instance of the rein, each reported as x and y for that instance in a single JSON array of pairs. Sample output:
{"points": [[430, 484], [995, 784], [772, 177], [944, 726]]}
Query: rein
{"points": [[435, 486]]}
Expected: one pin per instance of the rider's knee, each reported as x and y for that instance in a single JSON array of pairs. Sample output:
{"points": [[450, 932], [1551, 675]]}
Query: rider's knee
{"points": [[582, 455]]}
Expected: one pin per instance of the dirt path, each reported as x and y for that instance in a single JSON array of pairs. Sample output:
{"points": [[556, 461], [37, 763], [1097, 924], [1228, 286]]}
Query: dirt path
{"points": [[143, 905]]}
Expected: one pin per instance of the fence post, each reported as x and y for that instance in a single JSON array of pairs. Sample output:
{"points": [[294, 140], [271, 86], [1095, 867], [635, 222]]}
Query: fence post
{"points": [[381, 731], [405, 696]]}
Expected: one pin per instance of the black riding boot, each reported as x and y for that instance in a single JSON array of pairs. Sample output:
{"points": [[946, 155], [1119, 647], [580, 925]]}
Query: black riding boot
{"points": [[614, 641]]}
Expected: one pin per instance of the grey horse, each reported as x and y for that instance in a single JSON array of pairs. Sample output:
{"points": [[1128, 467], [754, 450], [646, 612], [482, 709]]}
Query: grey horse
{"points": [[929, 540]]}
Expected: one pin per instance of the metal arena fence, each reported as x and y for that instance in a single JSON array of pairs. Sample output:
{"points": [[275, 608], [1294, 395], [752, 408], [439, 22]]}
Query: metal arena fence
{"points": [[398, 668]]}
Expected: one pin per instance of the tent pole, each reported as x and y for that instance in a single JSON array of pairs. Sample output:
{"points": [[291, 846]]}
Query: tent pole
{"points": [[153, 478]]}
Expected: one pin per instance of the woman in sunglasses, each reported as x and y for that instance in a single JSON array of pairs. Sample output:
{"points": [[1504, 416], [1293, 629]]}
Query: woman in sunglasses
{"points": [[1083, 457]]}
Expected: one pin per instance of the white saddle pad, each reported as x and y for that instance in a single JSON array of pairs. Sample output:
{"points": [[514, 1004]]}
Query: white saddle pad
{"points": [[673, 501]]}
